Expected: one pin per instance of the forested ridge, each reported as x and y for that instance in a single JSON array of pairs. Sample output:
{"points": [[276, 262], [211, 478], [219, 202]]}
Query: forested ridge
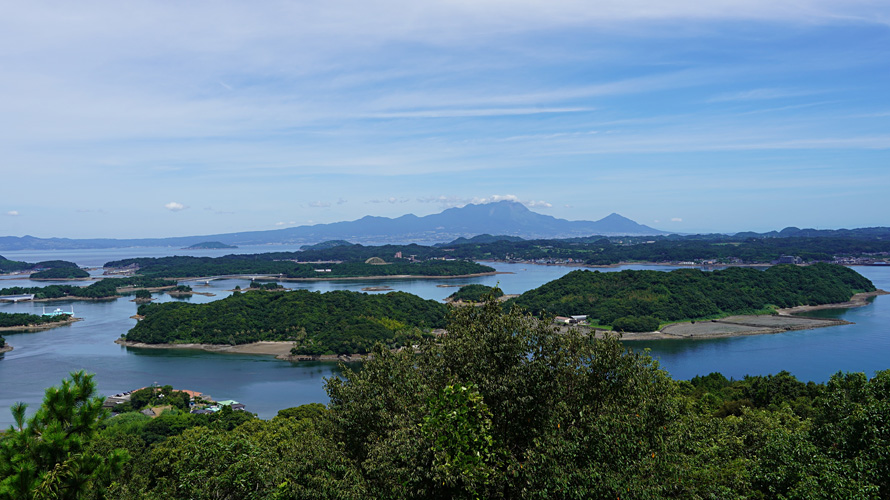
{"points": [[101, 289], [336, 322], [9, 266], [637, 300], [60, 273], [502, 407], [283, 264], [475, 293], [25, 319]]}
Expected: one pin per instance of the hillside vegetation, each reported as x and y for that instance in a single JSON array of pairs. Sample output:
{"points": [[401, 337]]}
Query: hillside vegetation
{"points": [[338, 322], [501, 407], [636, 300], [101, 289], [283, 264], [24, 319]]}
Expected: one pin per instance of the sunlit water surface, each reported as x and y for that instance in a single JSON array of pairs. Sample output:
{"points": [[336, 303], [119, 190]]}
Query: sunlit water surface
{"points": [[266, 385]]}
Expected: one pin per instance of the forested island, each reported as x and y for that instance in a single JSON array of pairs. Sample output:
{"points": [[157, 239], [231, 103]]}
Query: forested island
{"points": [[286, 265], [475, 293], [640, 301], [60, 273], [103, 289], [209, 245], [337, 322], [14, 266], [502, 407], [25, 322]]}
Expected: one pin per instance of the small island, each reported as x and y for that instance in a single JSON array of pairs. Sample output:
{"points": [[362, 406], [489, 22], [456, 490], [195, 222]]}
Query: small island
{"points": [[105, 289], [60, 274], [474, 293], [209, 245], [4, 347], [309, 323], [288, 266], [23, 322]]}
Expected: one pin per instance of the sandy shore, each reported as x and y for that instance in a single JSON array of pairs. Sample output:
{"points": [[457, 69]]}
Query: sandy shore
{"points": [[280, 350], [742, 325], [39, 328], [732, 326]]}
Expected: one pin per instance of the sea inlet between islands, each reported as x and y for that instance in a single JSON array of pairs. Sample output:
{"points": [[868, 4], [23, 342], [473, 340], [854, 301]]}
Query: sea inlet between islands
{"points": [[265, 384]]}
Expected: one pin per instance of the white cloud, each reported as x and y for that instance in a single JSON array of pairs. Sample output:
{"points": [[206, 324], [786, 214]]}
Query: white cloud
{"points": [[174, 206], [289, 223], [538, 204], [13, 213], [341, 201], [319, 204], [676, 219], [456, 201]]}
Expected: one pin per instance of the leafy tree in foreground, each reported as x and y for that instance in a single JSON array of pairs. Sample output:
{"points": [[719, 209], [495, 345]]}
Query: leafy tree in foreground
{"points": [[504, 406], [47, 458]]}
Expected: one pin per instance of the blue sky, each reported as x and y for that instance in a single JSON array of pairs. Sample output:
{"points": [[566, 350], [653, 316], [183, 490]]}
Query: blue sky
{"points": [[180, 118]]}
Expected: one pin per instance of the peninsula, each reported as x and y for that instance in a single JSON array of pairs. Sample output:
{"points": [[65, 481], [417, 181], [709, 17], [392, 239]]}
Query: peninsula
{"points": [[644, 301]]}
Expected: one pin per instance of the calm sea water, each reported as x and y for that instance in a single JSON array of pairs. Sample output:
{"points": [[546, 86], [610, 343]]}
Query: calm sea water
{"points": [[266, 385]]}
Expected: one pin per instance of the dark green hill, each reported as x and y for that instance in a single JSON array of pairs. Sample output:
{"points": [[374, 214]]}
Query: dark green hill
{"points": [[60, 273], [629, 296], [337, 322], [475, 293], [324, 245]]}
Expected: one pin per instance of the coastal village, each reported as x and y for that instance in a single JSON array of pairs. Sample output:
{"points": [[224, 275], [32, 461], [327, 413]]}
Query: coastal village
{"points": [[198, 403]]}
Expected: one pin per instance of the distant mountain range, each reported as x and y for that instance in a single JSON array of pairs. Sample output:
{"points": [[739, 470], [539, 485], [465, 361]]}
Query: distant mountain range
{"points": [[502, 218]]}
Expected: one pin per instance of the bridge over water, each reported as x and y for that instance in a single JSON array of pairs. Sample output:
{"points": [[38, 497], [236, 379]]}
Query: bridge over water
{"points": [[16, 298]]}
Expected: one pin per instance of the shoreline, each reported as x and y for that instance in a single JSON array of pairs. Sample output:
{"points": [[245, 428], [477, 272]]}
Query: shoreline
{"points": [[279, 349], [731, 326], [788, 319], [38, 328], [344, 278], [5, 349]]}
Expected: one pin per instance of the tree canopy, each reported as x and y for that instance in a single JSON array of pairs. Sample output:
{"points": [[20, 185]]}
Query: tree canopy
{"points": [[628, 297], [337, 322]]}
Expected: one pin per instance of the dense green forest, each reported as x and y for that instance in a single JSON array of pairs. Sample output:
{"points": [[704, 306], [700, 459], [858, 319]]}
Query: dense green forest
{"points": [[475, 293], [337, 322], [637, 300], [283, 264], [614, 250], [9, 266], [105, 288], [501, 407], [24, 319], [60, 273]]}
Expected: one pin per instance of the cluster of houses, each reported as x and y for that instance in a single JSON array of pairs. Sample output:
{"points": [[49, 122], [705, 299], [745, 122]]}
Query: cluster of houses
{"points": [[198, 403], [580, 319]]}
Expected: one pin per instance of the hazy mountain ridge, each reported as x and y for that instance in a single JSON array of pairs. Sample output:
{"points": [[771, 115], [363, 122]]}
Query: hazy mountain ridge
{"points": [[502, 218]]}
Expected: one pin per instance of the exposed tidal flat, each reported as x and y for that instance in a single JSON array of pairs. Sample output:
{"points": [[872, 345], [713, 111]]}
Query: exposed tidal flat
{"points": [[266, 384]]}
